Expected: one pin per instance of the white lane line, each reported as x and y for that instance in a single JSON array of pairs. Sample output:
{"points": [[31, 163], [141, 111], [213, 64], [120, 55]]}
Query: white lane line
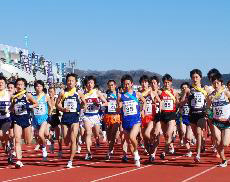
{"points": [[199, 174], [125, 172], [49, 172]]}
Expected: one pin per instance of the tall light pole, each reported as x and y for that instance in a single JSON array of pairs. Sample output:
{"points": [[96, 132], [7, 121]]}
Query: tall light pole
{"points": [[73, 64]]}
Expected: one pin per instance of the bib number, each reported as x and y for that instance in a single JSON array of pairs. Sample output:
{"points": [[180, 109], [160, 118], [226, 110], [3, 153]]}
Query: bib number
{"points": [[130, 108], [185, 110], [167, 105], [198, 100], [40, 110], [20, 109], [112, 105], [149, 108], [70, 105]]}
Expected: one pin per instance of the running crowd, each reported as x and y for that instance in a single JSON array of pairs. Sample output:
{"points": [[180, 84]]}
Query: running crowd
{"points": [[74, 115]]}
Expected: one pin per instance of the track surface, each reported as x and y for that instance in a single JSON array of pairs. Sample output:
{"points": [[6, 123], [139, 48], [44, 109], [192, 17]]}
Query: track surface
{"points": [[175, 168]]}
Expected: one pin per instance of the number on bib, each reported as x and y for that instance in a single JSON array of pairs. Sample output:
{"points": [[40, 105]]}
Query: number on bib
{"points": [[112, 105], [130, 108], [167, 105]]}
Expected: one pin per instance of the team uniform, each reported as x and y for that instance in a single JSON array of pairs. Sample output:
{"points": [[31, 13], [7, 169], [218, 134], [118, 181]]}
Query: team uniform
{"points": [[168, 111], [40, 112], [111, 115], [5, 120], [92, 109], [197, 104], [149, 111], [183, 116], [221, 112], [131, 111], [54, 119], [73, 104], [21, 115]]}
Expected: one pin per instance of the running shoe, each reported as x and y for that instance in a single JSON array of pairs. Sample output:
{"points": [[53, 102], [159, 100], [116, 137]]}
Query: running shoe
{"points": [[88, 157], [37, 147], [162, 156], [189, 154], [224, 163], [44, 154], [151, 159], [125, 159], [197, 159], [69, 164], [18, 165]]}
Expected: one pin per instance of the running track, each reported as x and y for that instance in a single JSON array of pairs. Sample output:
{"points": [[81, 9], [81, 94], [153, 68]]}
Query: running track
{"points": [[176, 168]]}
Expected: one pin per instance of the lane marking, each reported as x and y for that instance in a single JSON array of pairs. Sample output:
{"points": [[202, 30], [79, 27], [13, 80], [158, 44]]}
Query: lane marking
{"points": [[49, 172], [125, 172]]}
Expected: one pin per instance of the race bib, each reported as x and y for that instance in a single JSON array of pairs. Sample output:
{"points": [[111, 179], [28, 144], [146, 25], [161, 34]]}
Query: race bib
{"points": [[112, 106], [167, 105], [130, 108], [20, 109], [221, 112], [92, 108], [40, 110], [185, 110], [149, 108], [198, 100], [71, 105]]}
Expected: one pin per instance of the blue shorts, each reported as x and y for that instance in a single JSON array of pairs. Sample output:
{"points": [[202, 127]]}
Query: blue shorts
{"points": [[22, 120], [37, 124], [128, 125], [70, 118], [185, 120]]}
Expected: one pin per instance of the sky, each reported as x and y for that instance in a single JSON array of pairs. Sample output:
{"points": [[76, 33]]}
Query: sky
{"points": [[164, 36]]}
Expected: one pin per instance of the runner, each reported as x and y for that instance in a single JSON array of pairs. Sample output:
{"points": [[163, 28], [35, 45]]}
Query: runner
{"points": [[112, 116], [168, 113], [91, 117], [219, 99], [184, 122], [11, 143], [148, 118], [54, 123], [40, 117], [20, 106], [197, 102], [5, 120], [131, 120], [156, 132], [69, 102]]}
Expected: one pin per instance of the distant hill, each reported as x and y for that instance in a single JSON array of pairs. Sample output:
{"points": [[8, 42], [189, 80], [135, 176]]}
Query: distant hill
{"points": [[104, 76]]}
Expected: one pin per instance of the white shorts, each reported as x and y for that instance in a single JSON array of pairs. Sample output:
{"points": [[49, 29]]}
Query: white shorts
{"points": [[95, 120]]}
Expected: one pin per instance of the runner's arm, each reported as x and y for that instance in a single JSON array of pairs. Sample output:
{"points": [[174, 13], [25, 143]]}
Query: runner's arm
{"points": [[32, 100], [59, 102]]}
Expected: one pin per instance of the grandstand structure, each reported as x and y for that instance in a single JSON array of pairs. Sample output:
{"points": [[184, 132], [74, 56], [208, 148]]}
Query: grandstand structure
{"points": [[18, 61]]}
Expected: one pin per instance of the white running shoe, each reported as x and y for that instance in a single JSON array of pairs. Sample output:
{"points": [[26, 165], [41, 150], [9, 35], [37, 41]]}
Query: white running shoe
{"points": [[18, 165], [197, 159], [189, 154], [44, 154], [37, 147], [78, 149], [223, 164], [69, 164], [137, 163]]}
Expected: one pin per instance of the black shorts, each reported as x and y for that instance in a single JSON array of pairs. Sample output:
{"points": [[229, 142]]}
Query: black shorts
{"points": [[157, 117], [168, 116], [195, 117], [54, 120]]}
